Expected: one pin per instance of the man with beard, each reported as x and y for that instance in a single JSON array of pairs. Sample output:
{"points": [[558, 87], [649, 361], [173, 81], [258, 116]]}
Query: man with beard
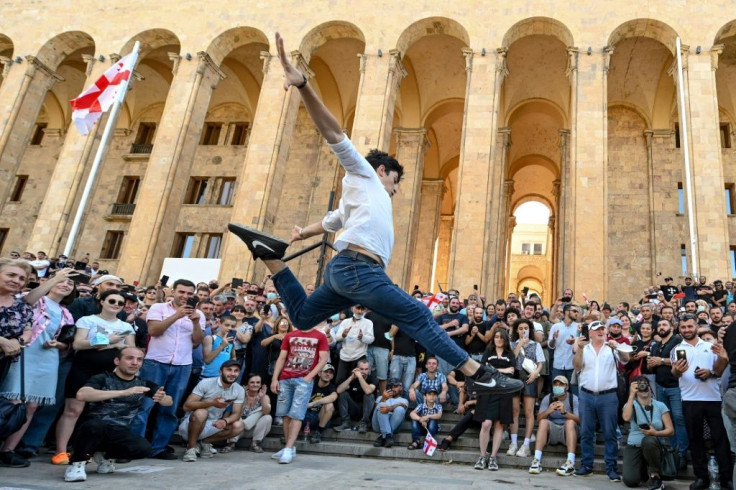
{"points": [[456, 326], [615, 331], [389, 413], [647, 316], [716, 319], [205, 420], [432, 379], [701, 400], [667, 313], [668, 388], [668, 288], [561, 340], [355, 335], [476, 340], [321, 406], [704, 290]]}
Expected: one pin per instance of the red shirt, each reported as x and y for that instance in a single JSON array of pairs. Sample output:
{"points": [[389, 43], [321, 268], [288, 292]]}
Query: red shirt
{"points": [[303, 350]]}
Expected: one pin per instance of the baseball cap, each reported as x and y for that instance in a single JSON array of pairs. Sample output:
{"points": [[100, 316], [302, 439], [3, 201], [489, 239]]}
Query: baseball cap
{"points": [[432, 390], [231, 362], [328, 367], [107, 277], [394, 382], [606, 306], [561, 379], [597, 325], [613, 321]]}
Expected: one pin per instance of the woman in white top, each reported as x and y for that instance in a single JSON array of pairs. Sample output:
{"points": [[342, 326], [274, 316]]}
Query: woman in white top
{"points": [[96, 343]]}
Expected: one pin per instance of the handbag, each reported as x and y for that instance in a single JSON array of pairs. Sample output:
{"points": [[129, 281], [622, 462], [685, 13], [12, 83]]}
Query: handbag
{"points": [[670, 458], [66, 334], [13, 415], [528, 365], [250, 421]]}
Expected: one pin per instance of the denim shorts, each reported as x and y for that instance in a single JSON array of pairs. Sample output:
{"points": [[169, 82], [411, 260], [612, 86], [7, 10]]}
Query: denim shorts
{"points": [[293, 398]]}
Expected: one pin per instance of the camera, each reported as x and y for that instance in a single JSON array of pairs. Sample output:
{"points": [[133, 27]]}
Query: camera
{"points": [[642, 386]]}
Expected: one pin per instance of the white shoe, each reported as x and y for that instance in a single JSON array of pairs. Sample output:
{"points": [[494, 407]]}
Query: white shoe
{"points": [[287, 456], [104, 466], [76, 472], [524, 451], [536, 467], [566, 469], [206, 451], [190, 456], [277, 455], [512, 449]]}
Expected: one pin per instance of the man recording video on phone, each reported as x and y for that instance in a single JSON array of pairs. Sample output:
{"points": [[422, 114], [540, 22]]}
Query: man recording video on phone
{"points": [[175, 329]]}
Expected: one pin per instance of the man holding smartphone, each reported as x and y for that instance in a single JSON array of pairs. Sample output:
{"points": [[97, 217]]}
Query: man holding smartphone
{"points": [[175, 329]]}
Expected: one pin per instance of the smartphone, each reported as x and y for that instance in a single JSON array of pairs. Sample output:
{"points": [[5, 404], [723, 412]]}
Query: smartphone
{"points": [[192, 302], [164, 280], [80, 278], [231, 334], [681, 355], [584, 332], [135, 283], [644, 426], [33, 284], [80, 266], [236, 282], [475, 287]]}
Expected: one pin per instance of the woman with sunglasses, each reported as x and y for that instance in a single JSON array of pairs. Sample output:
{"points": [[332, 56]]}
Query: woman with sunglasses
{"points": [[97, 341]]}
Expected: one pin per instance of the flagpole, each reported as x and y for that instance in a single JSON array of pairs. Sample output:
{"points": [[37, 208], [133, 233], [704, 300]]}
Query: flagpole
{"points": [[109, 127]]}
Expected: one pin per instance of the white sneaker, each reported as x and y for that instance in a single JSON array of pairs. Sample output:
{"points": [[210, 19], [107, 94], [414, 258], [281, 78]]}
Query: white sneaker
{"points": [[566, 469], [206, 451], [287, 456], [104, 466], [190, 456], [536, 467], [76, 472], [512, 449], [524, 451], [277, 455]]}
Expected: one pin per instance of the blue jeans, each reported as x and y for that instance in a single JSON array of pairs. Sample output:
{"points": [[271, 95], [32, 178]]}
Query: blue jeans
{"points": [[673, 399], [453, 395], [348, 282], [387, 423], [45, 416], [293, 398], [404, 368], [603, 408], [417, 430], [174, 381]]}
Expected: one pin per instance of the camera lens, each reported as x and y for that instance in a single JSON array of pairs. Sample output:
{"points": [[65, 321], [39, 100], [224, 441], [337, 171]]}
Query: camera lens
{"points": [[642, 386]]}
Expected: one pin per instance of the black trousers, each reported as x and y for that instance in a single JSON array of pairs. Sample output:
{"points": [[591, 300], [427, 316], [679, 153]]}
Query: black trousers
{"points": [[695, 412], [640, 462], [463, 424], [116, 441]]}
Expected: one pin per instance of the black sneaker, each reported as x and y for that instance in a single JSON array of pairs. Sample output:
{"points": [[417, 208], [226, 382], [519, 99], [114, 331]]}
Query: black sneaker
{"points": [[11, 460], [486, 382], [379, 442], [165, 455], [262, 245], [389, 441], [655, 483], [444, 445], [316, 437]]}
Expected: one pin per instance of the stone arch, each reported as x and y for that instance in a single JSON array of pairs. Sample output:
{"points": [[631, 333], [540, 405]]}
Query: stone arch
{"points": [[319, 35], [726, 31], [428, 27], [550, 107], [545, 26], [151, 40], [232, 39], [226, 111], [535, 198], [650, 28], [151, 113], [6, 46], [532, 159], [529, 271], [59, 47], [635, 108]]}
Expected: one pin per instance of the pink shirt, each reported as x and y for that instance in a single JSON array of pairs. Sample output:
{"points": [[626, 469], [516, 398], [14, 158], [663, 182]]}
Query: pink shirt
{"points": [[174, 346]]}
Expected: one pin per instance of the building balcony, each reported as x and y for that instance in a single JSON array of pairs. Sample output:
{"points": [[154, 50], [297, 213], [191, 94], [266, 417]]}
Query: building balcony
{"points": [[121, 212], [141, 149]]}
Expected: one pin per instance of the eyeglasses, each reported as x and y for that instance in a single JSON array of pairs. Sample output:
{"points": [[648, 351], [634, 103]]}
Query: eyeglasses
{"points": [[115, 303], [260, 302]]}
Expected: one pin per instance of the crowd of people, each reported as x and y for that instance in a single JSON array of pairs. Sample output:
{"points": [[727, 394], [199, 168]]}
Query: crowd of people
{"points": [[109, 372]]}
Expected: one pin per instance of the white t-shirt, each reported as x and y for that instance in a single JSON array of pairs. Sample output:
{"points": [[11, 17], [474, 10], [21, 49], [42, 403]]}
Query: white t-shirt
{"points": [[364, 212], [96, 324]]}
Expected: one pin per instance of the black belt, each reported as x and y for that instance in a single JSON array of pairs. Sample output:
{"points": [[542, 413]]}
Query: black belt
{"points": [[355, 255], [596, 393]]}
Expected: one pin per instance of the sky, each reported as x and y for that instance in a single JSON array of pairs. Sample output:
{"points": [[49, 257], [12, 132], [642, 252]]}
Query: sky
{"points": [[532, 213]]}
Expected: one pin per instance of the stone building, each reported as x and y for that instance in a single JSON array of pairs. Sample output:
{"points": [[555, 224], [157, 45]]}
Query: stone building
{"points": [[488, 106]]}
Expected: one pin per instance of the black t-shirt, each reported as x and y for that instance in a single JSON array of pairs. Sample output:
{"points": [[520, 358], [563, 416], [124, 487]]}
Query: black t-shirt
{"points": [[663, 373], [689, 293], [729, 343], [404, 345], [381, 326], [356, 391], [641, 345], [668, 291], [477, 345], [708, 298], [319, 392], [718, 295], [462, 320], [491, 358], [120, 410]]}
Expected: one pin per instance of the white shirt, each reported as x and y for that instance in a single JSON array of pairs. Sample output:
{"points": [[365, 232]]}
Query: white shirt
{"points": [[352, 348], [364, 212], [599, 369], [701, 356], [563, 350]]}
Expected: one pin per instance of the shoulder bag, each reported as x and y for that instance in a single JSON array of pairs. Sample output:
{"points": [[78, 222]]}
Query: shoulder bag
{"points": [[670, 459], [13, 415]]}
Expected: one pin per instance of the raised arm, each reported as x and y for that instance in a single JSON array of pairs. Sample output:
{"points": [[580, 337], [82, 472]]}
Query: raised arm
{"points": [[326, 123]]}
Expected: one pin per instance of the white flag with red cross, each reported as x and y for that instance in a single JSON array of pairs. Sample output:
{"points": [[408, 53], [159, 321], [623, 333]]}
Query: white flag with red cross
{"points": [[98, 98], [430, 444], [433, 301]]}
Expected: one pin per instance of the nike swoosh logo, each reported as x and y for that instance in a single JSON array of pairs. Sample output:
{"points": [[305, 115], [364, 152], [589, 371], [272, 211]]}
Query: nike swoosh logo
{"points": [[489, 385], [257, 243]]}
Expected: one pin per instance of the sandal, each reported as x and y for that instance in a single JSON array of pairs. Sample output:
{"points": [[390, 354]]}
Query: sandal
{"points": [[256, 448], [228, 448], [413, 445]]}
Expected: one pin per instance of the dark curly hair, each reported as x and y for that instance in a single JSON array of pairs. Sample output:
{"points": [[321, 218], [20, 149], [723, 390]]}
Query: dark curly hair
{"points": [[377, 158]]}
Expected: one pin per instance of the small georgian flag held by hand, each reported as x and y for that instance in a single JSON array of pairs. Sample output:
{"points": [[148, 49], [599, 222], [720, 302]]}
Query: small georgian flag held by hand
{"points": [[433, 301], [430, 444]]}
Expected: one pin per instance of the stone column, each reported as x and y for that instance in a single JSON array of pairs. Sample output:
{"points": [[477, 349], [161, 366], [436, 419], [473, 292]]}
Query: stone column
{"points": [[64, 187], [505, 236], [152, 228], [265, 161], [498, 257], [21, 97], [411, 146], [441, 269], [474, 209], [380, 77], [648, 135], [566, 207], [585, 260], [557, 241], [429, 222]]}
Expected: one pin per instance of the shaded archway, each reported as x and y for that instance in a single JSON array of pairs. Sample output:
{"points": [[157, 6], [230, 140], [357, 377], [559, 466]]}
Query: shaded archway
{"points": [[530, 257]]}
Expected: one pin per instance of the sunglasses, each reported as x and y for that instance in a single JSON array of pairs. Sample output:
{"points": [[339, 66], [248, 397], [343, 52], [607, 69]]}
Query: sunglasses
{"points": [[115, 302]]}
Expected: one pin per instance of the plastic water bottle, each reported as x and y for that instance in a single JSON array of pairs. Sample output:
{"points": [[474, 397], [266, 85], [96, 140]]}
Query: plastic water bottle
{"points": [[307, 431], [715, 481]]}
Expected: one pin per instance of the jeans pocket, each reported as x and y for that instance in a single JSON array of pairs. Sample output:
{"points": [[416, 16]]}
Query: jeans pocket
{"points": [[345, 277]]}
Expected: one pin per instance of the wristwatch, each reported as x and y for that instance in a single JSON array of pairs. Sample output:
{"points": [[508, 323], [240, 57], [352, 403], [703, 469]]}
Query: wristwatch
{"points": [[21, 341]]}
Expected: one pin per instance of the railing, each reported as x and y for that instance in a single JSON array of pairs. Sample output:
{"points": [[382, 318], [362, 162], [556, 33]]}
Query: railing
{"points": [[144, 149], [119, 208]]}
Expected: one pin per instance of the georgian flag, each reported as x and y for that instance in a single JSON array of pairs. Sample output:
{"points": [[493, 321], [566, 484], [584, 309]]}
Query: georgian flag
{"points": [[98, 98], [433, 301], [430, 444]]}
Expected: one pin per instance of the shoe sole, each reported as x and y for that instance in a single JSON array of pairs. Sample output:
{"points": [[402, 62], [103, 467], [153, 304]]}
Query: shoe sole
{"points": [[75, 479], [535, 472], [253, 234], [484, 389]]}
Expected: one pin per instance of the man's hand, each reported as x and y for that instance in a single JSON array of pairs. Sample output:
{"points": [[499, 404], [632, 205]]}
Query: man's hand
{"points": [[384, 409], [159, 395], [136, 390], [571, 340], [356, 373], [193, 315], [296, 234], [182, 311], [52, 344], [443, 398], [461, 409], [275, 385], [346, 331], [653, 362], [220, 402], [703, 374], [412, 395], [612, 344], [360, 334], [680, 366], [292, 76], [719, 350], [220, 424], [557, 406], [474, 330], [581, 342]]}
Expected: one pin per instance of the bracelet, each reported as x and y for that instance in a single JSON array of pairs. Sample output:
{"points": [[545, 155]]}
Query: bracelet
{"points": [[304, 82], [301, 229]]}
